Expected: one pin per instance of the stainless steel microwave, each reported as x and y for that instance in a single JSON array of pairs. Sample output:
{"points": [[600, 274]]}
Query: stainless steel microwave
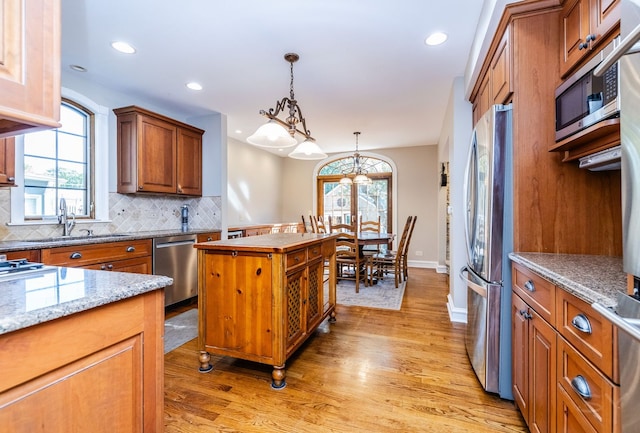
{"points": [[584, 99]]}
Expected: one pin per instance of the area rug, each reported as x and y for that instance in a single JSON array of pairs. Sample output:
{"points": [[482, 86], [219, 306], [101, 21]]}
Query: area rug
{"points": [[180, 329], [381, 295]]}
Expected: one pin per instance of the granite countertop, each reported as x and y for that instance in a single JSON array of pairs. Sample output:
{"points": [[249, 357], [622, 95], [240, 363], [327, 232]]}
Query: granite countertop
{"points": [[590, 278], [56, 292], [37, 244]]}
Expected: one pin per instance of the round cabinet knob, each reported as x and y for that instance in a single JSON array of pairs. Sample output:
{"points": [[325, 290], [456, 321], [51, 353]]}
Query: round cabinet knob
{"points": [[11, 179]]}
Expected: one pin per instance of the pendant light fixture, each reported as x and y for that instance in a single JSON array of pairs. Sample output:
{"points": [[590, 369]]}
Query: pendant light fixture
{"points": [[357, 171], [277, 133]]}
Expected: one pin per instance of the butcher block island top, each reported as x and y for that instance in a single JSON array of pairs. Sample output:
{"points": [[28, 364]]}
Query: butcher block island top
{"points": [[261, 297]]}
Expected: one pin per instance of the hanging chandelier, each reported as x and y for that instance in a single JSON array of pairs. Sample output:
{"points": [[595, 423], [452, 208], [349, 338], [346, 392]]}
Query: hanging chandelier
{"points": [[277, 133], [357, 171]]}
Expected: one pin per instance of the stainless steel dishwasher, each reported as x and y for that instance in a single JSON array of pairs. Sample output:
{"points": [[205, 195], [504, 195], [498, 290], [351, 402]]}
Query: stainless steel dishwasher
{"points": [[175, 257]]}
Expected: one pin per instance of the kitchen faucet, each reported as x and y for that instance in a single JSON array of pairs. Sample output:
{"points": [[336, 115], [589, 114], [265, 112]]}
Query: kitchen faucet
{"points": [[67, 226]]}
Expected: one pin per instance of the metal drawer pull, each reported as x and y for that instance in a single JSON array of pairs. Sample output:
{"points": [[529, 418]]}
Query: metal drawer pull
{"points": [[131, 249], [526, 315], [580, 385], [75, 255], [581, 323], [530, 286]]}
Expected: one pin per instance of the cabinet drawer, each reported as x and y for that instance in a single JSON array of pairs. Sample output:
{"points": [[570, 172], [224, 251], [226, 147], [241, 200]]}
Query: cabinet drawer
{"points": [[589, 332], [535, 291], [575, 371], [570, 419], [82, 255], [314, 252], [30, 255], [138, 265], [208, 237], [296, 258]]}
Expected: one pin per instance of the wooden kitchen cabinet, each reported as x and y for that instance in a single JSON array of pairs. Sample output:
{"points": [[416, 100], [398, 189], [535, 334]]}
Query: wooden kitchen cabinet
{"points": [[534, 371], [29, 66], [261, 297], [7, 162], [208, 237], [30, 255], [584, 25], [123, 256], [495, 87], [100, 370], [157, 154], [564, 376]]}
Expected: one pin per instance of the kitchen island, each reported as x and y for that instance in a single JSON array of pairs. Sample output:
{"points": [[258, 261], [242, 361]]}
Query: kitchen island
{"points": [[261, 297], [82, 350]]}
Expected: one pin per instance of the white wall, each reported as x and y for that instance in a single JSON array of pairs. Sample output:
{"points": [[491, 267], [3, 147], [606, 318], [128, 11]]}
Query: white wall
{"points": [[455, 136], [254, 185]]}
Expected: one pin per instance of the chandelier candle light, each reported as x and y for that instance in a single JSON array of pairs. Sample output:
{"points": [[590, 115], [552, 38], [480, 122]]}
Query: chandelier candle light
{"points": [[277, 133]]}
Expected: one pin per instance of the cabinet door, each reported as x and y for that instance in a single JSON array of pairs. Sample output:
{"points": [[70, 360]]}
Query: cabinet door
{"points": [[605, 15], [140, 265], [542, 375], [574, 29], [500, 71], [189, 163], [157, 150], [29, 65], [295, 323], [483, 100], [570, 418], [520, 354], [314, 294], [7, 161]]}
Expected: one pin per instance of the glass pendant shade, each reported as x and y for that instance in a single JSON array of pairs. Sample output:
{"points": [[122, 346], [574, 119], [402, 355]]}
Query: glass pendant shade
{"points": [[308, 150], [346, 180], [272, 134], [361, 179]]}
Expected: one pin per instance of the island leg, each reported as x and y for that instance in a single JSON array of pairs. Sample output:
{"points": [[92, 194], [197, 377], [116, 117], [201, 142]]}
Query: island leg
{"points": [[277, 377], [205, 365]]}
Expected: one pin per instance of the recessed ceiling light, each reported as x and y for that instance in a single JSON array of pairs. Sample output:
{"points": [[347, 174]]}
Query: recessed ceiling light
{"points": [[436, 38], [238, 131], [194, 86], [78, 68], [123, 47]]}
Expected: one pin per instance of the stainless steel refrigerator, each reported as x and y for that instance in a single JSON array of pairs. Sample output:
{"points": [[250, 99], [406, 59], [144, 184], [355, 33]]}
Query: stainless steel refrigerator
{"points": [[489, 238]]}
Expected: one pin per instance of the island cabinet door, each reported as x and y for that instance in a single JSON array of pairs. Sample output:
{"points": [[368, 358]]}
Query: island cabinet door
{"points": [[315, 294], [238, 303], [295, 322]]}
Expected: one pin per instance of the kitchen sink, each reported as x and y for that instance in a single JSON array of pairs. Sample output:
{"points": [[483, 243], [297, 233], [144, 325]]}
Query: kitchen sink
{"points": [[77, 238]]}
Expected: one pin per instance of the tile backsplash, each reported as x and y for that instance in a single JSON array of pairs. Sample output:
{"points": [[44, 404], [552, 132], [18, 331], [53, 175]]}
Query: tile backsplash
{"points": [[127, 214]]}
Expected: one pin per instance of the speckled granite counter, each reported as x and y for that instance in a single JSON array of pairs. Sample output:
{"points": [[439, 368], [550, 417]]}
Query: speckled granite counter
{"points": [[56, 292], [37, 244], [590, 278]]}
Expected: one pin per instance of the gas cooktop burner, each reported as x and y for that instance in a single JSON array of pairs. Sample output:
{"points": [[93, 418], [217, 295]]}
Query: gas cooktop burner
{"points": [[17, 266]]}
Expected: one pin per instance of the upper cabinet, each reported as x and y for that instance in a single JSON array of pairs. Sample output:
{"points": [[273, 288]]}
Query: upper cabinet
{"points": [[7, 161], [496, 87], [29, 66], [157, 154], [584, 25]]}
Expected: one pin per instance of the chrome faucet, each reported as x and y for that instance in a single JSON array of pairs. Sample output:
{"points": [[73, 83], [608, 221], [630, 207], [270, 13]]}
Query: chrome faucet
{"points": [[67, 225]]}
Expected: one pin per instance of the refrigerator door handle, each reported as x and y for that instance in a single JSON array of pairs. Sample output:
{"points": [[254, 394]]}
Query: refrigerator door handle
{"points": [[480, 290], [627, 46]]}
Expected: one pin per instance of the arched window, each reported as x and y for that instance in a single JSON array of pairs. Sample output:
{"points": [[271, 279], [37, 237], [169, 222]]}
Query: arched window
{"points": [[344, 202]]}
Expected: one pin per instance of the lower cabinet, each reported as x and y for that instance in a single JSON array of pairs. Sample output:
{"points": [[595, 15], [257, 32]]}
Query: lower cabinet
{"points": [[260, 302], [564, 374], [123, 256], [101, 370]]}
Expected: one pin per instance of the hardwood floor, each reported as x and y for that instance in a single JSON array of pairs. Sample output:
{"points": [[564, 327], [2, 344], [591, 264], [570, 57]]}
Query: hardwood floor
{"points": [[371, 371]]}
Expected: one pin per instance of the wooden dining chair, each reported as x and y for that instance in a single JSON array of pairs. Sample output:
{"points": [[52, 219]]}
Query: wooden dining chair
{"points": [[340, 227], [382, 264], [405, 252], [350, 265], [372, 227]]}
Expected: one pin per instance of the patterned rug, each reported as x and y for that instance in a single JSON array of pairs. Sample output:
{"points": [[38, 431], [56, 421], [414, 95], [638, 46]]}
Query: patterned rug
{"points": [[180, 329], [381, 295]]}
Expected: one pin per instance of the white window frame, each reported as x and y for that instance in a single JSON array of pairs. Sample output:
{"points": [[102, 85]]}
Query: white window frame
{"points": [[101, 166]]}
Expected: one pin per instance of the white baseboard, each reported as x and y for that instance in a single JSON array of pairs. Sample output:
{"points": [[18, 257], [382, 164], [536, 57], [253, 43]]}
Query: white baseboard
{"points": [[422, 264], [442, 269], [456, 314]]}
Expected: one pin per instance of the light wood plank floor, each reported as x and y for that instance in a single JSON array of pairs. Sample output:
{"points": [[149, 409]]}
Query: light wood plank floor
{"points": [[372, 371]]}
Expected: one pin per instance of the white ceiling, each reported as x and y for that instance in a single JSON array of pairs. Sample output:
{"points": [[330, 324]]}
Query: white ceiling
{"points": [[363, 64]]}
